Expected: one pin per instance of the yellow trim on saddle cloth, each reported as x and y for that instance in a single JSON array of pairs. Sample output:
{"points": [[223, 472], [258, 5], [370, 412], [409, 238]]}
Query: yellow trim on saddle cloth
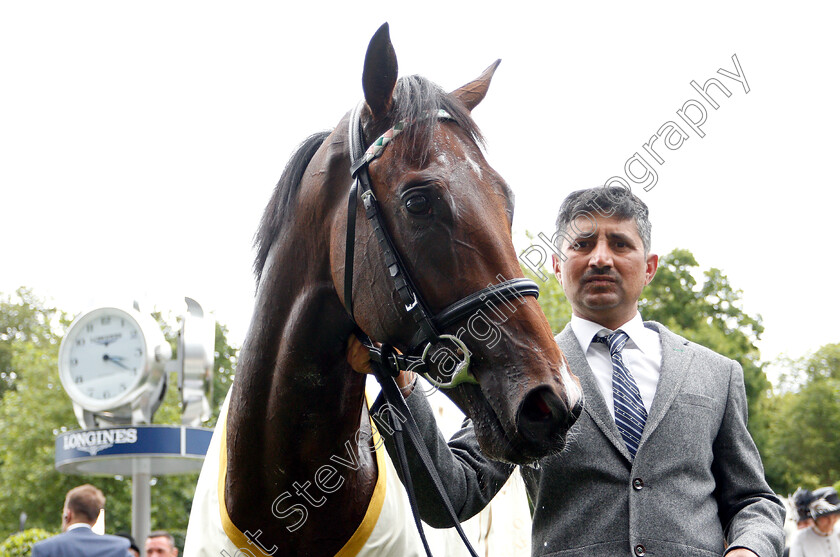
{"points": [[356, 542]]}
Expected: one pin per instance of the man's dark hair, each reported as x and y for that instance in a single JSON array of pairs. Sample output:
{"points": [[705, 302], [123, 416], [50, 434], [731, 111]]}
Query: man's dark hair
{"points": [[614, 201], [163, 534], [131, 543]]}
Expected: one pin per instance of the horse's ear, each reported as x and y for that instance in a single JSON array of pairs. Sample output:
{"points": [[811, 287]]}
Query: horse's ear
{"points": [[380, 73], [473, 92]]}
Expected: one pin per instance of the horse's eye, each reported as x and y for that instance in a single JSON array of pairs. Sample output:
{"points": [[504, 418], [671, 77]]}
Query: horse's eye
{"points": [[418, 205]]}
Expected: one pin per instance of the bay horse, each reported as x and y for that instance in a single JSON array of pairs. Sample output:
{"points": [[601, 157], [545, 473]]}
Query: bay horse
{"points": [[296, 405]]}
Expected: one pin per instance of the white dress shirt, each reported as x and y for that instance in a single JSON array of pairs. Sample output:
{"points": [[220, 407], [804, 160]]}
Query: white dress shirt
{"points": [[642, 355]]}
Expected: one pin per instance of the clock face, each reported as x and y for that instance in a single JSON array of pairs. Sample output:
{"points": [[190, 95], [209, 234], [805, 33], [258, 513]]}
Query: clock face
{"points": [[102, 357]]}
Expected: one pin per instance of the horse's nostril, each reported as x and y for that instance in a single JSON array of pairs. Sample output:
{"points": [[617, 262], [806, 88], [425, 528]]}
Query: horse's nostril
{"points": [[535, 407], [541, 415]]}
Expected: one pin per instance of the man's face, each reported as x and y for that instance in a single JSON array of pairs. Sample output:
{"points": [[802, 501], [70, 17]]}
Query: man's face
{"points": [[160, 547], [605, 269]]}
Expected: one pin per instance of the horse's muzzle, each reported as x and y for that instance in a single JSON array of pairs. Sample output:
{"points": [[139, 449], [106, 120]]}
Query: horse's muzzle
{"points": [[544, 418]]}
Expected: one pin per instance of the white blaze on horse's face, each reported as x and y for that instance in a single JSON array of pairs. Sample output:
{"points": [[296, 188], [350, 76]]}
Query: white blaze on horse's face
{"points": [[571, 384], [475, 166]]}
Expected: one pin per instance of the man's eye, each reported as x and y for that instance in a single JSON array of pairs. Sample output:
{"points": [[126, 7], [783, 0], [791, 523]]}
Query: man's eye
{"points": [[418, 205], [577, 246]]}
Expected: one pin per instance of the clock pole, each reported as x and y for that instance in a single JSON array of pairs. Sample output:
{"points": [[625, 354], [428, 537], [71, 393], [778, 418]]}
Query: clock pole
{"points": [[141, 502]]}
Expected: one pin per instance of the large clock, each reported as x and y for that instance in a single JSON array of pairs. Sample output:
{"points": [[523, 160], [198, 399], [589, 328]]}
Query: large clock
{"points": [[111, 363]]}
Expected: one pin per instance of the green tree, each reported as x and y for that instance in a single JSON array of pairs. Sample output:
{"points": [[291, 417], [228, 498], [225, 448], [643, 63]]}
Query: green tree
{"points": [[709, 314], [804, 424], [24, 317], [552, 300], [36, 409]]}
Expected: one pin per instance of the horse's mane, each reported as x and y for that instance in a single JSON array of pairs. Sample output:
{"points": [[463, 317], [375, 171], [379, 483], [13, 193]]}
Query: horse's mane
{"points": [[414, 98], [281, 204]]}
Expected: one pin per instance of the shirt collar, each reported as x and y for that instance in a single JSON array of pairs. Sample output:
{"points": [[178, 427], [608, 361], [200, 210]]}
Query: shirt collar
{"points": [[639, 335], [79, 525]]}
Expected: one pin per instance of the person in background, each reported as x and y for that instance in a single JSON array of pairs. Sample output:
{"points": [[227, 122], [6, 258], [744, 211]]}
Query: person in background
{"points": [[132, 548], [799, 515], [160, 543], [821, 539], [801, 500], [81, 510]]}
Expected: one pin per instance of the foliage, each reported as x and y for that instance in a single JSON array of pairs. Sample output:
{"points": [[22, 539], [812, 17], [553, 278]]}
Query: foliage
{"points": [[24, 318], [20, 544], [36, 409], [804, 424], [223, 371], [709, 315], [552, 300]]}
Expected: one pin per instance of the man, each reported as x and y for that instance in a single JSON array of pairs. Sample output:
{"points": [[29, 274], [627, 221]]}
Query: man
{"points": [[660, 461], [161, 544], [81, 509], [821, 539]]}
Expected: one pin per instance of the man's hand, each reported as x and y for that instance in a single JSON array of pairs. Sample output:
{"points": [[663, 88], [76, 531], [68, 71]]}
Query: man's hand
{"points": [[358, 356], [741, 552]]}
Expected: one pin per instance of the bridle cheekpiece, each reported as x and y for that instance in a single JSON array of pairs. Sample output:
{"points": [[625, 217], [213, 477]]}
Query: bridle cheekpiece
{"points": [[428, 326]]}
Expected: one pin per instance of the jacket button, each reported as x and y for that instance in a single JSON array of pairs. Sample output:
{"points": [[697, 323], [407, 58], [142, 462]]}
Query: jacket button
{"points": [[639, 550], [638, 484]]}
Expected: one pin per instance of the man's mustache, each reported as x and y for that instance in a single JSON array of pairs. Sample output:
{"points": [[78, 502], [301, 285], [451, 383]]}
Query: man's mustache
{"points": [[604, 273]]}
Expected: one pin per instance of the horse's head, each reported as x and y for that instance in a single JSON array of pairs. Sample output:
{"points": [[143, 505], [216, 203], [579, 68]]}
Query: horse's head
{"points": [[449, 214]]}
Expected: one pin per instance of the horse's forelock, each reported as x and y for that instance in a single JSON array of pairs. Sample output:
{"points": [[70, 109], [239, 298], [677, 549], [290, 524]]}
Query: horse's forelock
{"points": [[415, 97]]}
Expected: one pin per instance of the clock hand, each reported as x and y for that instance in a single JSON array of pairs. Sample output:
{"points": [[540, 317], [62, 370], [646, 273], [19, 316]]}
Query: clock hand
{"points": [[116, 359]]}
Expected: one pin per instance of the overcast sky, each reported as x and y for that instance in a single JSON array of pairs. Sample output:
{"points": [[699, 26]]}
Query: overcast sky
{"points": [[140, 142]]}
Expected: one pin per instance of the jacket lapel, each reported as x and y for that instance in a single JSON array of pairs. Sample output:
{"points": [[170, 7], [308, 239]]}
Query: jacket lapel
{"points": [[676, 360], [593, 403]]}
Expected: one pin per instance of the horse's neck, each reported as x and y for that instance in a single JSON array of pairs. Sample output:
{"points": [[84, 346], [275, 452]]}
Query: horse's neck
{"points": [[293, 381], [295, 408]]}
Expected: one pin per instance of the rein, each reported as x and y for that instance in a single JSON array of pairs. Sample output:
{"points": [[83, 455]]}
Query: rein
{"points": [[385, 360]]}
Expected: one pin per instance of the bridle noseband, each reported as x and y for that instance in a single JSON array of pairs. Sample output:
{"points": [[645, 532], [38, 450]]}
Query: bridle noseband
{"points": [[427, 326]]}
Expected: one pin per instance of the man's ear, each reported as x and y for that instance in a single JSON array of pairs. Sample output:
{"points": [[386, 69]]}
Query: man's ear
{"points": [[556, 264], [651, 265]]}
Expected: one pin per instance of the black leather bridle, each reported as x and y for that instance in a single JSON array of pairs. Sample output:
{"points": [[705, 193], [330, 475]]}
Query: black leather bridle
{"points": [[385, 360], [428, 327]]}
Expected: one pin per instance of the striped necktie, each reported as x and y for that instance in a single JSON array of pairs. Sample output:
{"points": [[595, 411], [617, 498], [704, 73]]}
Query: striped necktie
{"points": [[630, 413]]}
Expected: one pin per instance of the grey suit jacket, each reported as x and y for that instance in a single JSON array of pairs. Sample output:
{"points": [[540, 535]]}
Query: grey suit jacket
{"points": [[696, 484], [81, 542]]}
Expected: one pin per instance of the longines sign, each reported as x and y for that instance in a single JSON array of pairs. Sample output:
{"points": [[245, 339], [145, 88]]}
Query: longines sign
{"points": [[93, 441], [165, 449]]}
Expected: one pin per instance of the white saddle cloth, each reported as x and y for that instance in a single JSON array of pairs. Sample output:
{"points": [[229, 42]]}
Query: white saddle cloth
{"points": [[386, 530]]}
